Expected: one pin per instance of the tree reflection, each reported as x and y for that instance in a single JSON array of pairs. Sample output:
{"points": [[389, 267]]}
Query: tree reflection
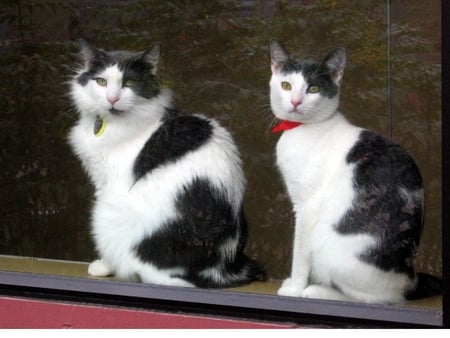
{"points": [[215, 57]]}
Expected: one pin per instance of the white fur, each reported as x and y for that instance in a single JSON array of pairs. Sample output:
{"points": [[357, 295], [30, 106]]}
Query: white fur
{"points": [[312, 161], [313, 107], [125, 211]]}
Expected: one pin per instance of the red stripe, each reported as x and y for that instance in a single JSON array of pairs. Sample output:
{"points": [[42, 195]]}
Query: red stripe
{"points": [[37, 314]]}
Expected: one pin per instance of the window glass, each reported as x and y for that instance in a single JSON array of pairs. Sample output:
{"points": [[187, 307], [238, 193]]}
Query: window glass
{"points": [[215, 58]]}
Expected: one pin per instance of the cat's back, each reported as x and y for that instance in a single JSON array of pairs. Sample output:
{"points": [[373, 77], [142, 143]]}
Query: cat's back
{"points": [[187, 146], [377, 158], [388, 188]]}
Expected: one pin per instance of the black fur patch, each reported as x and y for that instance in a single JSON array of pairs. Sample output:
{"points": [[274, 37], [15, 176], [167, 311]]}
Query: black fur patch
{"points": [[178, 135], [96, 64], [193, 241], [388, 203], [315, 74], [145, 84]]}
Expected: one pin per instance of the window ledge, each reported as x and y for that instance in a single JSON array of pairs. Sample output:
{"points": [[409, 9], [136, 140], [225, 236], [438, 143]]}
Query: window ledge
{"points": [[57, 275]]}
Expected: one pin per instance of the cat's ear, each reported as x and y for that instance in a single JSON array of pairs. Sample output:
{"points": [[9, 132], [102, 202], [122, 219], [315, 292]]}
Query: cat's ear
{"points": [[151, 56], [335, 62], [88, 53], [278, 55]]}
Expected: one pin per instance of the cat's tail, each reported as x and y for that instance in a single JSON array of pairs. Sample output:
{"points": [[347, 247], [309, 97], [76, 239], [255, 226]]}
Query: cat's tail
{"points": [[427, 286], [240, 271], [244, 270]]}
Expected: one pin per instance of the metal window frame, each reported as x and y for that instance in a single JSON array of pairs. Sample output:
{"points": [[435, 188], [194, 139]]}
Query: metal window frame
{"points": [[214, 302]]}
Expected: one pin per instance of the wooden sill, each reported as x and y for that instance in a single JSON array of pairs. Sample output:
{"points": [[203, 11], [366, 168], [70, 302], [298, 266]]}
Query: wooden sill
{"points": [[79, 270]]}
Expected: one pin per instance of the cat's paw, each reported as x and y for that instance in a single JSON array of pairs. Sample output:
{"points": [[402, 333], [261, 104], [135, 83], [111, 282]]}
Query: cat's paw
{"points": [[313, 291], [99, 268], [322, 292], [291, 288]]}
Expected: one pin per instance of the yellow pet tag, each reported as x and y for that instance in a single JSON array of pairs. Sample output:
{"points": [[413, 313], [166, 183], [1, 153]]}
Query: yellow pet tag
{"points": [[99, 126]]}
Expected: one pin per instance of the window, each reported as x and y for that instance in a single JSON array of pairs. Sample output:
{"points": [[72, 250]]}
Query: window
{"points": [[391, 85]]}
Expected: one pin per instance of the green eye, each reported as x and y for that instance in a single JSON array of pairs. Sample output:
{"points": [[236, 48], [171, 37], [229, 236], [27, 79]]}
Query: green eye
{"points": [[129, 83], [286, 85], [313, 89], [101, 82]]}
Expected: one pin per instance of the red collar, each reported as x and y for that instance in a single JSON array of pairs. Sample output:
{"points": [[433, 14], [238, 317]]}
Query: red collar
{"points": [[285, 125]]}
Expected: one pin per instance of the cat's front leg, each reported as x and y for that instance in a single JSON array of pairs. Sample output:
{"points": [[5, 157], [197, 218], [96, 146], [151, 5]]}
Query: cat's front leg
{"points": [[99, 268], [298, 281]]}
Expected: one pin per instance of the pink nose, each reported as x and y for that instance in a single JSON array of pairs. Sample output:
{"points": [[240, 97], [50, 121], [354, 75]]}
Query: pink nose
{"points": [[296, 103], [113, 99]]}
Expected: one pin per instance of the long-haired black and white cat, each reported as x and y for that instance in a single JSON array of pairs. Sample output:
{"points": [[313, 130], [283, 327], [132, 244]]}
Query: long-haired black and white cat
{"points": [[168, 185], [358, 197]]}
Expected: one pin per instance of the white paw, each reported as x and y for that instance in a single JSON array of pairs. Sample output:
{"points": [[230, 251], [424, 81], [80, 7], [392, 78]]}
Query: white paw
{"points": [[99, 268], [291, 288], [179, 282], [312, 291], [322, 292]]}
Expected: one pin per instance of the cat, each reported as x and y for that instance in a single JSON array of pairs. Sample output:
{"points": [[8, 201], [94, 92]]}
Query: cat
{"points": [[357, 196], [169, 185]]}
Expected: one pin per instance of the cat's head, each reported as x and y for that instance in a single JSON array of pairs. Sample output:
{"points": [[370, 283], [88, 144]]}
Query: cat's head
{"points": [[303, 90], [115, 82]]}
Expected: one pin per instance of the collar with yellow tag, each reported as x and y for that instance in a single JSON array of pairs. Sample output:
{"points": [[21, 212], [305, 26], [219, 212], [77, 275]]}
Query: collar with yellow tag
{"points": [[99, 126]]}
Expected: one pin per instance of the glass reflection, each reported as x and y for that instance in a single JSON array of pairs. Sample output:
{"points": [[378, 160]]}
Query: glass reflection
{"points": [[215, 58]]}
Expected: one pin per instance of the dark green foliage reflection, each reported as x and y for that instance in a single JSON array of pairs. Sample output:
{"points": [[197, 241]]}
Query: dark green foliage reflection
{"points": [[215, 58]]}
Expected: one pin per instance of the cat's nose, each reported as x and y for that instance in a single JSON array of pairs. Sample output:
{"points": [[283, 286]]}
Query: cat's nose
{"points": [[112, 99], [296, 103]]}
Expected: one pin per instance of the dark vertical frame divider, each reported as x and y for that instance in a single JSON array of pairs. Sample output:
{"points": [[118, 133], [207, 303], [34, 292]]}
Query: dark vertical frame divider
{"points": [[445, 12]]}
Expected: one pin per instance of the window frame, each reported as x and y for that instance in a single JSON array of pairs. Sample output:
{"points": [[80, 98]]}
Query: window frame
{"points": [[213, 302], [250, 305]]}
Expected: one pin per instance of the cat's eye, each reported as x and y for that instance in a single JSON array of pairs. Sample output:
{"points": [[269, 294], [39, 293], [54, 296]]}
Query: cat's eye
{"points": [[101, 82], [129, 83], [286, 85], [313, 89]]}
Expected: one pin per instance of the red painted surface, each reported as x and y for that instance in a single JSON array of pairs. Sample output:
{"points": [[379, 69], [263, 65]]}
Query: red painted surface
{"points": [[38, 314]]}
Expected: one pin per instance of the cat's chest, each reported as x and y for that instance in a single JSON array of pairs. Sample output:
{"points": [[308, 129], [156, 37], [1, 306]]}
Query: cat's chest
{"points": [[311, 158], [113, 165], [110, 161]]}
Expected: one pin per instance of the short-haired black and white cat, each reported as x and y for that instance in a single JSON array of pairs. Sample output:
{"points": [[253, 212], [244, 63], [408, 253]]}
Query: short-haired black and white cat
{"points": [[169, 186], [358, 197]]}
